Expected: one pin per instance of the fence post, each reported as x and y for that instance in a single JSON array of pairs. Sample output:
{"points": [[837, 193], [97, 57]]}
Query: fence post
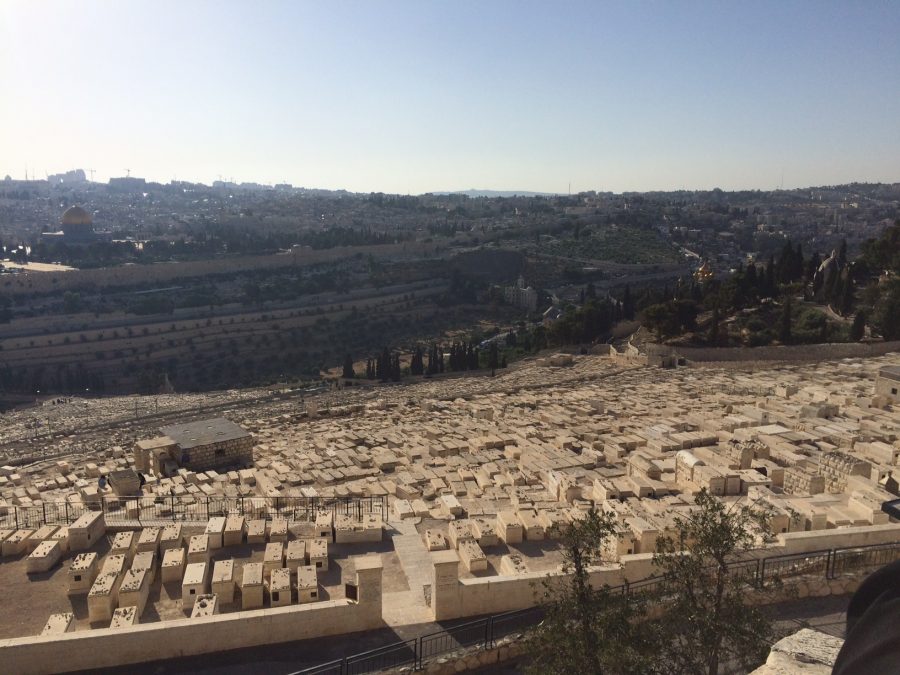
{"points": [[172, 502], [206, 502], [489, 632], [344, 669], [242, 505], [829, 565], [44, 510], [67, 513], [762, 572], [16, 512]]}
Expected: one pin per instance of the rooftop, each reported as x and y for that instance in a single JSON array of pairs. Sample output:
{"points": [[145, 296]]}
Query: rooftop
{"points": [[204, 432], [890, 372]]}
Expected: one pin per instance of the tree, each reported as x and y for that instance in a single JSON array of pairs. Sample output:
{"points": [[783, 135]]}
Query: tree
{"points": [[714, 327], [348, 373], [628, 304], [886, 316], [707, 621], [493, 358], [587, 630], [784, 331]]}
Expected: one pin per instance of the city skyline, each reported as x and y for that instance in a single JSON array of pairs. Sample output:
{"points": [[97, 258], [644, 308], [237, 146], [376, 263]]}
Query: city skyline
{"points": [[409, 98]]}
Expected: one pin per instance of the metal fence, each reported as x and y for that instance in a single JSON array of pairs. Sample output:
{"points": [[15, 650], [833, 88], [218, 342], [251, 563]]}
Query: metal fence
{"points": [[483, 633], [138, 510]]}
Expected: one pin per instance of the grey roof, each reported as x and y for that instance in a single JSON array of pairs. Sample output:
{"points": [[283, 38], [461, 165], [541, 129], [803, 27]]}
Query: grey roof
{"points": [[890, 372], [204, 432]]}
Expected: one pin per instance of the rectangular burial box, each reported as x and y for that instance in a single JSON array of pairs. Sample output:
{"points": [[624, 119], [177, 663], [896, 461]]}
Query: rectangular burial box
{"points": [[125, 617], [307, 584], [114, 564], [62, 536], [325, 525], [512, 564], [134, 589], [234, 531], [171, 537], [350, 531], [193, 584], [64, 622], [16, 543], [273, 558], [256, 532], [317, 554], [223, 581], [41, 534], [534, 531], [145, 560], [44, 557], [252, 586], [149, 539], [173, 565], [459, 531], [436, 541], [82, 572], [280, 588], [485, 532], [509, 529], [296, 554], [123, 544], [205, 605], [472, 556], [198, 549], [86, 531], [101, 599], [215, 530], [278, 530]]}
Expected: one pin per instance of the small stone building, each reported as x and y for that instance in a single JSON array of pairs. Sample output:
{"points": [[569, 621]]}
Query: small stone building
{"points": [[888, 383], [198, 446]]}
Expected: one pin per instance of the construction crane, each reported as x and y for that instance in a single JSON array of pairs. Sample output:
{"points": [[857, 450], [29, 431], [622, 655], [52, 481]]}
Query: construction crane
{"points": [[91, 171]]}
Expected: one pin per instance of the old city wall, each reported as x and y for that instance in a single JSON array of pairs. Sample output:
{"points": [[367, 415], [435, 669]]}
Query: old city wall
{"points": [[454, 598], [795, 353]]}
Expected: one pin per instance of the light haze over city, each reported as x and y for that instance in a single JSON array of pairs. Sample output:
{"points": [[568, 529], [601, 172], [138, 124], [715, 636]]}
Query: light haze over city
{"points": [[412, 97]]}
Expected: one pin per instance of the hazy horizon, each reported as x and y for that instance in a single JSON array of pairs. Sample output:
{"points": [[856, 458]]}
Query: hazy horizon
{"points": [[410, 98]]}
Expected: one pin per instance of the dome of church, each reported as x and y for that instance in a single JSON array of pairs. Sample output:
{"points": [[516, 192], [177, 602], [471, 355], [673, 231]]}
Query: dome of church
{"points": [[75, 215]]}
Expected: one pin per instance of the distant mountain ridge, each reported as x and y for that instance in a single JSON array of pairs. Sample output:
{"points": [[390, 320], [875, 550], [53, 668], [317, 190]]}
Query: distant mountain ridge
{"points": [[495, 193]]}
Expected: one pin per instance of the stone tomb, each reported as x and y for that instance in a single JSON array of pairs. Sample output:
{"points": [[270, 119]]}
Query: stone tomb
{"points": [[41, 534], [252, 586], [44, 557], [123, 544], [16, 543], [145, 560], [256, 532], [435, 540], [484, 531], [62, 536], [509, 529], [317, 553], [215, 530], [324, 525], [512, 564], [114, 564], [86, 531], [234, 531], [198, 549], [125, 617], [173, 565], [63, 622], [194, 583], [149, 539], [134, 589], [350, 531], [278, 530], [280, 588], [296, 554], [223, 581], [171, 537], [82, 572], [307, 584], [273, 558], [472, 556], [205, 605], [101, 599]]}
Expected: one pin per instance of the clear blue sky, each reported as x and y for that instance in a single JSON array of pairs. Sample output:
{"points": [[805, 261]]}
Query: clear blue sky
{"points": [[415, 96]]}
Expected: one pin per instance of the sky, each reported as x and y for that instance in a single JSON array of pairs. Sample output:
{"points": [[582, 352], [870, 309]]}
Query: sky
{"points": [[411, 97]]}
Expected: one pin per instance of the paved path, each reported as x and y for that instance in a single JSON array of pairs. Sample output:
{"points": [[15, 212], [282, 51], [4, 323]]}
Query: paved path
{"points": [[408, 607]]}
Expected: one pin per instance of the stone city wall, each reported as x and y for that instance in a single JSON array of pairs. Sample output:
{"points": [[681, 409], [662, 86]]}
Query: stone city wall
{"points": [[798, 353]]}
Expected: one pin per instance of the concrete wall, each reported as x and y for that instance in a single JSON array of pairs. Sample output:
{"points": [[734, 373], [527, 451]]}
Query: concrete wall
{"points": [[102, 648], [453, 597]]}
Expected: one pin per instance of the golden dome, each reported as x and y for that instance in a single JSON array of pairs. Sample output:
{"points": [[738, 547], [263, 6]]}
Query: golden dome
{"points": [[75, 215]]}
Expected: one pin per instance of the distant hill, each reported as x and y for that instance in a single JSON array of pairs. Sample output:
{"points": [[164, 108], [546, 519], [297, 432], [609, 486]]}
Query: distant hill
{"points": [[496, 193]]}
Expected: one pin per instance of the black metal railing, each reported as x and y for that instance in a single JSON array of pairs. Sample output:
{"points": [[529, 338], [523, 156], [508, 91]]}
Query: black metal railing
{"points": [[125, 510], [483, 633]]}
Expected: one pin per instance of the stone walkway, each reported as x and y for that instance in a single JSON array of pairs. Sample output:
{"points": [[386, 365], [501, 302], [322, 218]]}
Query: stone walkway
{"points": [[406, 607]]}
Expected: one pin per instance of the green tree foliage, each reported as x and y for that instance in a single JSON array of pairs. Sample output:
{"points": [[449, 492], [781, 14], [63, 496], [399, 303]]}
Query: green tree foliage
{"points": [[587, 629], [883, 253], [707, 621], [858, 329], [886, 316], [671, 318], [348, 368], [784, 327]]}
